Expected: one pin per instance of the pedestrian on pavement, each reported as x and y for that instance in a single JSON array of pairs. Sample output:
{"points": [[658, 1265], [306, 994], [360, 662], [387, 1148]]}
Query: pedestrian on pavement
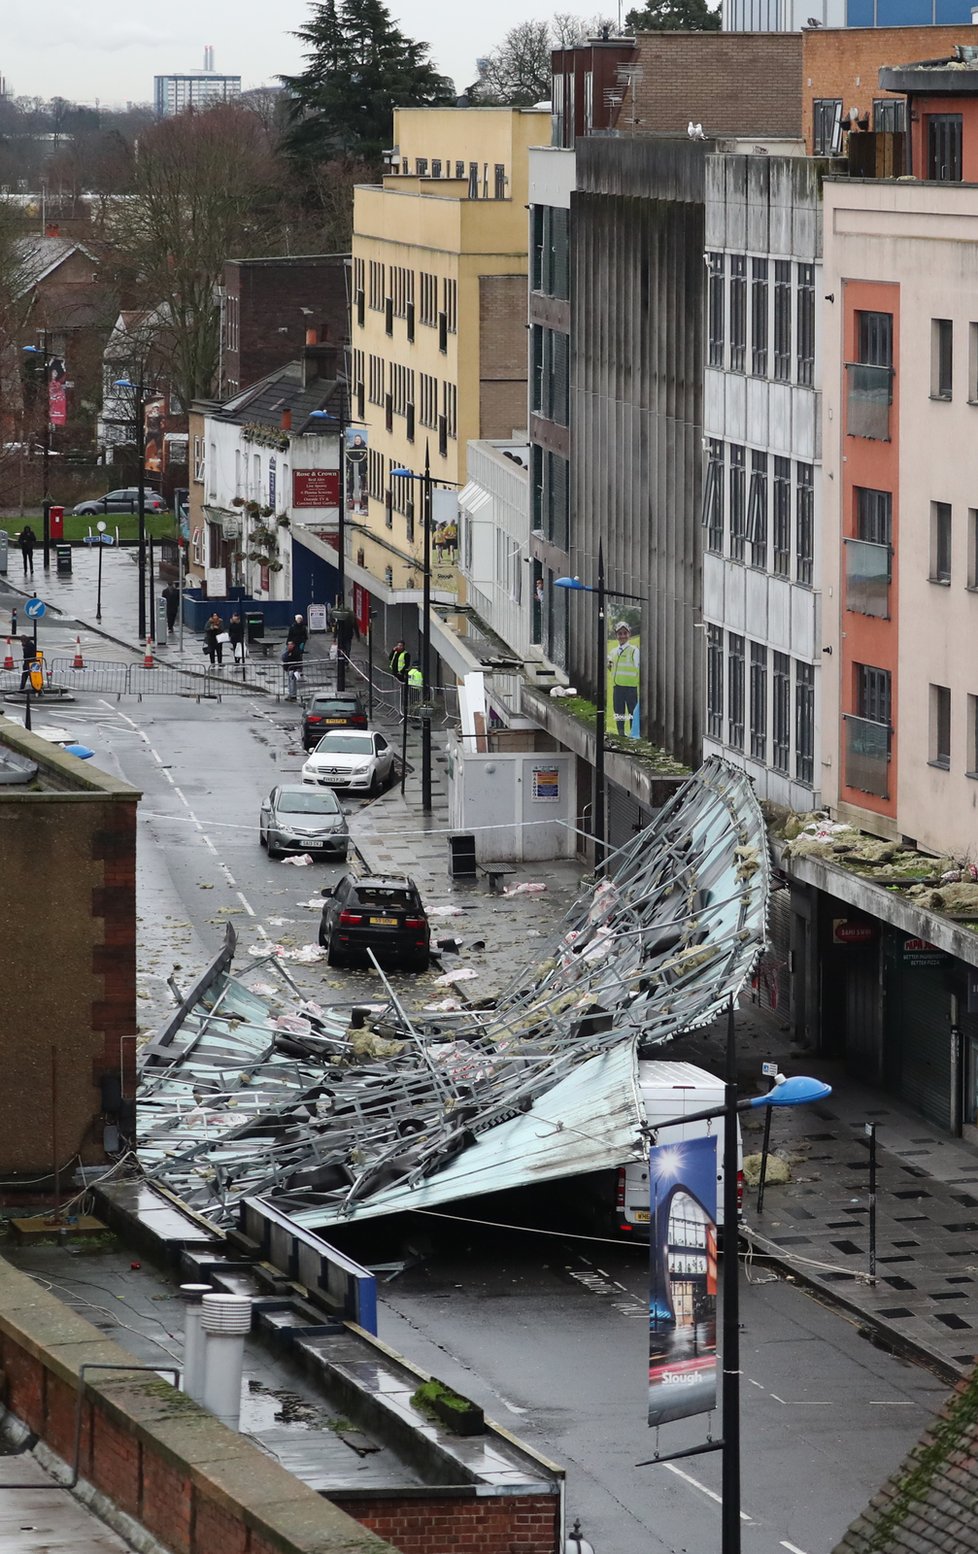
{"points": [[171, 594], [27, 541], [28, 652], [415, 679], [298, 633], [400, 661], [213, 632], [292, 660], [236, 633]]}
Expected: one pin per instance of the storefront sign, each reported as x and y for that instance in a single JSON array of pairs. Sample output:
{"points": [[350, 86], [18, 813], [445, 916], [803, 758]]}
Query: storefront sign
{"points": [[920, 952], [546, 783], [847, 931], [315, 488]]}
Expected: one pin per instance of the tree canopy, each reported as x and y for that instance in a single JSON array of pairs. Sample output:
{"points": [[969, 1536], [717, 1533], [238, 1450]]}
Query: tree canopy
{"points": [[516, 73], [674, 16], [360, 67]]}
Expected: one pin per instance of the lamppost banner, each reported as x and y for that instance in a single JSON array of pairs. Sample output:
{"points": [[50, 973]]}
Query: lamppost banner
{"points": [[624, 667], [683, 1279]]}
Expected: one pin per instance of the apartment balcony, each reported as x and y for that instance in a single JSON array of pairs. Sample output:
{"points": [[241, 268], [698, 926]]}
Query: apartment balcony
{"points": [[868, 572], [867, 751], [869, 395]]}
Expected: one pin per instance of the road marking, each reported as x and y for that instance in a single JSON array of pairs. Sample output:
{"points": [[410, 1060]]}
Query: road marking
{"points": [[207, 840], [688, 1477], [891, 1403], [803, 1402], [227, 874], [791, 1547], [246, 904]]}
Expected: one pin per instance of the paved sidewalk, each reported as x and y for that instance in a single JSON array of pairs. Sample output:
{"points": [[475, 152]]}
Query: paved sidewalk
{"points": [[925, 1299]]}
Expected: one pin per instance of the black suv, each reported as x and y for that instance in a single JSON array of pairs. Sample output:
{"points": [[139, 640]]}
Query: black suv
{"points": [[380, 912], [328, 710]]}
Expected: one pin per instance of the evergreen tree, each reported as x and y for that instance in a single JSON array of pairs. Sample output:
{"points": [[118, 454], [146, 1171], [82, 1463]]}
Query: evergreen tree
{"points": [[360, 67]]}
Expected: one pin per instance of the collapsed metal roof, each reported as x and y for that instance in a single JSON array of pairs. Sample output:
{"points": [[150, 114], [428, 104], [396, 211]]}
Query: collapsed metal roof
{"points": [[249, 1090]]}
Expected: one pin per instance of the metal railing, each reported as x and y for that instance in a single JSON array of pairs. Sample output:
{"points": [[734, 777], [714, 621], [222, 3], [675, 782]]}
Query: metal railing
{"points": [[867, 755]]}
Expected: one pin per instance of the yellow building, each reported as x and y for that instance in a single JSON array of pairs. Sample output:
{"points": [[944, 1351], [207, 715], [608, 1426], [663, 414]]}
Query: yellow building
{"points": [[439, 324]]}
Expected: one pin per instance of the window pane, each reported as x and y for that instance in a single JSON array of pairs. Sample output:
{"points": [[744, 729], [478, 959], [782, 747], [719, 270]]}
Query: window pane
{"points": [[735, 690], [782, 320], [738, 311], [759, 318], [758, 701], [717, 287], [805, 523], [781, 517]]}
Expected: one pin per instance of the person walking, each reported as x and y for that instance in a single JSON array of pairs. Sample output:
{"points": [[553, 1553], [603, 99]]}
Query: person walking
{"points": [[399, 661], [28, 653], [624, 666], [299, 634], [27, 541], [171, 595], [292, 660], [213, 632], [236, 633]]}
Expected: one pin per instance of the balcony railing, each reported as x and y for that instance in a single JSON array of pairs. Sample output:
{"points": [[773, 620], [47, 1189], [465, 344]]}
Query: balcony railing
{"points": [[868, 569], [867, 755], [870, 394]]}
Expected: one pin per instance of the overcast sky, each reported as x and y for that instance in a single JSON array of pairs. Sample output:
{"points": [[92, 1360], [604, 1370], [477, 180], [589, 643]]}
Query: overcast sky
{"points": [[88, 50]]}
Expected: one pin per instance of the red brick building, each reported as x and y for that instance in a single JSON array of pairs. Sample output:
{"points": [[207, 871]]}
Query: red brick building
{"points": [[269, 305]]}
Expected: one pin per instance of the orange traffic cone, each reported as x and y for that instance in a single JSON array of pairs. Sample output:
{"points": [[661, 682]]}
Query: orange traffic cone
{"points": [[77, 662], [148, 657], [8, 662]]}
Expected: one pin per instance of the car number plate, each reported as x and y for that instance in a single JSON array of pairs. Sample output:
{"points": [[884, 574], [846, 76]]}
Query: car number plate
{"points": [[640, 1216], [332, 720], [384, 922]]}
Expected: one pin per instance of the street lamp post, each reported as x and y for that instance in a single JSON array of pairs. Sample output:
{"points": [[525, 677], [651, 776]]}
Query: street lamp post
{"points": [[100, 528], [800, 1090], [139, 393], [42, 351], [600, 695]]}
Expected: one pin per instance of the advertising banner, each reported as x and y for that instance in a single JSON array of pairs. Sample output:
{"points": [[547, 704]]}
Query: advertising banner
{"points": [[315, 488], [624, 671], [356, 471], [683, 1279], [57, 392]]}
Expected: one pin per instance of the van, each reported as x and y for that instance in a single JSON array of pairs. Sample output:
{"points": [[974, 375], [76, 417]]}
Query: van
{"points": [[672, 1090]]}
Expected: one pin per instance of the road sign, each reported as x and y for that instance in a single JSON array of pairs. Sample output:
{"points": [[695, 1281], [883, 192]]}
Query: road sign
{"points": [[108, 539], [34, 609]]}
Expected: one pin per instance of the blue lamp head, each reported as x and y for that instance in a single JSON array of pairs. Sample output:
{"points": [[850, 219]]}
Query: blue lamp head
{"points": [[570, 582], [123, 383], [409, 473], [81, 751], [799, 1090]]}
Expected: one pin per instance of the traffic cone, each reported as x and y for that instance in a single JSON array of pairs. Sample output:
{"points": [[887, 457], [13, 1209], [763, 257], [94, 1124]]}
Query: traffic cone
{"points": [[8, 662], [77, 662], [148, 657]]}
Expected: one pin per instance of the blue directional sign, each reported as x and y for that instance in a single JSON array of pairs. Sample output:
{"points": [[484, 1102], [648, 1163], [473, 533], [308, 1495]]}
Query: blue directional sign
{"points": [[34, 609]]}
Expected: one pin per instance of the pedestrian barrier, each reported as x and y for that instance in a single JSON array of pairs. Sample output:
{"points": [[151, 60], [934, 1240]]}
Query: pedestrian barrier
{"points": [[119, 680]]}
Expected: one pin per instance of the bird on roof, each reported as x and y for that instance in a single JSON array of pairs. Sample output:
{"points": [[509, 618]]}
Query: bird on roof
{"points": [[695, 131]]}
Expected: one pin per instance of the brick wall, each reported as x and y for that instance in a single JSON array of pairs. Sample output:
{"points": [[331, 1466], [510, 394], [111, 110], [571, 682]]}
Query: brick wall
{"points": [[502, 354], [494, 1524], [278, 300], [730, 82], [845, 62], [68, 922]]}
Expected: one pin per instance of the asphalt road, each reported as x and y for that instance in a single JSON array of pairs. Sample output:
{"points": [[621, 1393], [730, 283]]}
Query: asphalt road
{"points": [[550, 1336], [203, 770]]}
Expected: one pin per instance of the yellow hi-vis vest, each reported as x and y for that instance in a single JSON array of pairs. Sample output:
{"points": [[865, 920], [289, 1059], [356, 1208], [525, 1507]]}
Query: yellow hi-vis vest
{"points": [[625, 665]]}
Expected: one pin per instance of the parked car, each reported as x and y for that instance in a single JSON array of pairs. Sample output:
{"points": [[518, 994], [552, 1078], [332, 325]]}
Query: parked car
{"points": [[350, 758], [125, 500], [298, 819], [380, 912], [328, 710]]}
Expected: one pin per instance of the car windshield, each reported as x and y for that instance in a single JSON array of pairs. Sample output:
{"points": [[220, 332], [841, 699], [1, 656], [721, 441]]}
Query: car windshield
{"points": [[385, 896], [310, 801], [346, 744]]}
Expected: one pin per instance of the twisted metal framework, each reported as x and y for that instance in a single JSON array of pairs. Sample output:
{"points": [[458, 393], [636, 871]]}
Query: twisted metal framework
{"points": [[336, 1120]]}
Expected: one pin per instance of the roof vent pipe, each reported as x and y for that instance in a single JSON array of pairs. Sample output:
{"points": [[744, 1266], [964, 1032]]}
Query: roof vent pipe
{"points": [[225, 1320], [193, 1340]]}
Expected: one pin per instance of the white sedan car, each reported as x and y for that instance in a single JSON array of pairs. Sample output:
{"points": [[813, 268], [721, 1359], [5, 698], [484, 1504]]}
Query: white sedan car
{"points": [[350, 758]]}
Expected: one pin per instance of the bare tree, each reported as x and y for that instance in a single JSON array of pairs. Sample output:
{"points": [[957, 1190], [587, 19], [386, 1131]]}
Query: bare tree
{"points": [[517, 71], [203, 192]]}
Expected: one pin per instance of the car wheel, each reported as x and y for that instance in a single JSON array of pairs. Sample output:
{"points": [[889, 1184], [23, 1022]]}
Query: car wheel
{"points": [[273, 852], [421, 962], [333, 956], [374, 787], [262, 839]]}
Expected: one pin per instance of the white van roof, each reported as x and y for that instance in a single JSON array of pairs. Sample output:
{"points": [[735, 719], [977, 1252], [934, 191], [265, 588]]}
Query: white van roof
{"points": [[657, 1073]]}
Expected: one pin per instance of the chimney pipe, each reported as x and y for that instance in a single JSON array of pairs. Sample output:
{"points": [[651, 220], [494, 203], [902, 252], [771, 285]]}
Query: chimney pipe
{"points": [[193, 1340], [225, 1320], [286, 420], [312, 336]]}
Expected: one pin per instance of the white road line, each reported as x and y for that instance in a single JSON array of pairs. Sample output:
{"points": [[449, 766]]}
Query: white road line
{"points": [[891, 1403], [246, 904], [207, 840], [227, 874], [791, 1547], [156, 755], [181, 795], [689, 1479]]}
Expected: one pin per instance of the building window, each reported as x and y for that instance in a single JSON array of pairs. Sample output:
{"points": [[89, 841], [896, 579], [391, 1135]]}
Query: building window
{"points": [[782, 320], [781, 517], [940, 726], [941, 357], [735, 692], [738, 311], [944, 147], [738, 509], [714, 681], [873, 699], [781, 712], [758, 701], [757, 510], [973, 736], [717, 289], [429, 299], [805, 333], [973, 547], [450, 305], [874, 516], [450, 408], [758, 311], [827, 126], [375, 380], [429, 400], [376, 295], [889, 114], [874, 339], [804, 523], [870, 378], [199, 460], [805, 723], [537, 228], [713, 498], [940, 542]]}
